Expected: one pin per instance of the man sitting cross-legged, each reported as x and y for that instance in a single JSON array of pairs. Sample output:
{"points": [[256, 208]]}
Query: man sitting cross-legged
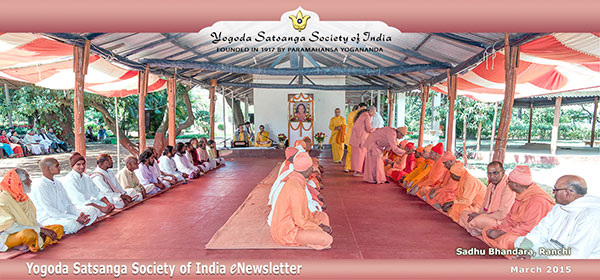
{"points": [[129, 180], [80, 188], [18, 224], [107, 182], [146, 174], [168, 166], [53, 204]]}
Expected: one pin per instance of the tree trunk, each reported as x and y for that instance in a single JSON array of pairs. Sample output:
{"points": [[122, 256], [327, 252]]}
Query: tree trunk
{"points": [[110, 122], [160, 141], [478, 136], [238, 116]]}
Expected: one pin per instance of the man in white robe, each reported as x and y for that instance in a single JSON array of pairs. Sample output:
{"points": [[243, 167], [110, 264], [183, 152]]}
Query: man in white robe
{"points": [[146, 174], [571, 230], [183, 164], [45, 143], [53, 204], [213, 153], [168, 166], [376, 119], [167, 179], [80, 188], [203, 154], [32, 143], [107, 182]]}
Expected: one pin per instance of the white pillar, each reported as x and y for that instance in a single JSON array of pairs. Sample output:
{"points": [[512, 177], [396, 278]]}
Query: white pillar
{"points": [[224, 119], [379, 103], [435, 116], [117, 133], [247, 117], [453, 146], [400, 108]]}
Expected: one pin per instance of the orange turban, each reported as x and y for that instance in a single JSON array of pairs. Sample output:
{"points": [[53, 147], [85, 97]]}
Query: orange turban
{"points": [[439, 148], [521, 175], [420, 149], [448, 156], [13, 185], [302, 162], [290, 151], [300, 143], [427, 148], [458, 169]]}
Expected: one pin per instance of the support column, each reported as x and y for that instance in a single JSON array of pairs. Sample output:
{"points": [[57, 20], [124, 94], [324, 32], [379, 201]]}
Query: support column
{"points": [[81, 55], [530, 122], [594, 121], [450, 126], [118, 135], [435, 116], [493, 130], [511, 59], [172, 101], [7, 95], [390, 108], [224, 118], [379, 103], [211, 96], [555, 124], [400, 108], [247, 118], [424, 97], [142, 92]]}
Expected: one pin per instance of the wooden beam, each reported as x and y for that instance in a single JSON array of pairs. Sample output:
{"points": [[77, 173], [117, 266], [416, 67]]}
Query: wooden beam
{"points": [[424, 97], [7, 95], [530, 122], [493, 130], [555, 124], [212, 97], [511, 54], [81, 55], [452, 89], [594, 121], [142, 92], [391, 102], [172, 97]]}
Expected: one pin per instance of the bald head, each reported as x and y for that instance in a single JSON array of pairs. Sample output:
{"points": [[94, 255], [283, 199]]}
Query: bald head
{"points": [[45, 163], [568, 188], [49, 167]]}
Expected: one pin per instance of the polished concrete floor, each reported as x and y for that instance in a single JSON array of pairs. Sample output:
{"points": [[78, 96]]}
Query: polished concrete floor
{"points": [[369, 222]]}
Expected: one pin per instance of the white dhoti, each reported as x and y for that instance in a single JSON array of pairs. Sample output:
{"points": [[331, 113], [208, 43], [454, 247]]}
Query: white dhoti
{"points": [[71, 225]]}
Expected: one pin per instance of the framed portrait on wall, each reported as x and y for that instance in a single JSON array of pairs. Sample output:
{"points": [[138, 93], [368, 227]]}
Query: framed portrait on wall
{"points": [[300, 116]]}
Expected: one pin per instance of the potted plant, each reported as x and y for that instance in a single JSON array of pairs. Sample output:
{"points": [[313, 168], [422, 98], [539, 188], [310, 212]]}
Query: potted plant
{"points": [[320, 137], [282, 139]]}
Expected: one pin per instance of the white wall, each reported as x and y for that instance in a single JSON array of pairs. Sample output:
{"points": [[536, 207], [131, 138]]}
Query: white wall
{"points": [[271, 105]]}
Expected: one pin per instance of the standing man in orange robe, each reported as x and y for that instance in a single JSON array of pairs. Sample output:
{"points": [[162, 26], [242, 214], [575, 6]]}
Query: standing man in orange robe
{"points": [[530, 207], [337, 125], [469, 193], [380, 139], [361, 130], [292, 223], [497, 202]]}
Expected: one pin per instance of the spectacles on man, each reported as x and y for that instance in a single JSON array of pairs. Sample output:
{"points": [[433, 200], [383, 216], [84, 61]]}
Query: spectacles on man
{"points": [[556, 190]]}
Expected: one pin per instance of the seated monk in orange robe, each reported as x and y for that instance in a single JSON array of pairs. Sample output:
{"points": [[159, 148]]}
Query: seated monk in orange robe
{"points": [[530, 207], [292, 223], [421, 170], [469, 192], [497, 202], [394, 161], [409, 165], [431, 194], [436, 172]]}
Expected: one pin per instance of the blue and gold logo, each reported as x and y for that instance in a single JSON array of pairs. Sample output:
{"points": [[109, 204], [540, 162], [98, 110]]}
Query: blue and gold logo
{"points": [[299, 21]]}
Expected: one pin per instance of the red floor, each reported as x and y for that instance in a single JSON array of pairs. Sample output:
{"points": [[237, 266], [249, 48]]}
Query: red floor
{"points": [[369, 222]]}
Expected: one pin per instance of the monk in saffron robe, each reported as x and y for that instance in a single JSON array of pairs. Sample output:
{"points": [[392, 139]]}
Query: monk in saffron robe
{"points": [[262, 138], [392, 161], [497, 202], [381, 139], [350, 120], [530, 207], [18, 224], [361, 130], [337, 125], [409, 164], [292, 223], [422, 167], [428, 193], [469, 193], [435, 174]]}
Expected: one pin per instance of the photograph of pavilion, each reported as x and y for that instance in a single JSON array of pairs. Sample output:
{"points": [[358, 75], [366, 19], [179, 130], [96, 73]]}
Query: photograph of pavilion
{"points": [[448, 104]]}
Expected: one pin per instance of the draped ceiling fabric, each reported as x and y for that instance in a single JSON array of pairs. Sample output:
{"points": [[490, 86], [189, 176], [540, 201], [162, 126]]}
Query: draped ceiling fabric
{"points": [[48, 63], [552, 64]]}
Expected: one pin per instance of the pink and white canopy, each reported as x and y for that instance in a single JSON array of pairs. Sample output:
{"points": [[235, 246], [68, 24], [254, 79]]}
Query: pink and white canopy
{"points": [[48, 63], [552, 64]]}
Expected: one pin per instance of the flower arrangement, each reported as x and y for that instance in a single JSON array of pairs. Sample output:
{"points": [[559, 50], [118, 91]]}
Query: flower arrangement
{"points": [[281, 137], [307, 119], [320, 137]]}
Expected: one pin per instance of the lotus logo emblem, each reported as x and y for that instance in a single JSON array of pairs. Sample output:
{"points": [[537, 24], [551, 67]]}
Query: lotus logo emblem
{"points": [[299, 21]]}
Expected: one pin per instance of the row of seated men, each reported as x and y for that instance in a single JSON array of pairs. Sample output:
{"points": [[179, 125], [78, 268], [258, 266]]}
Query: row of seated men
{"points": [[297, 216], [36, 214], [512, 212]]}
